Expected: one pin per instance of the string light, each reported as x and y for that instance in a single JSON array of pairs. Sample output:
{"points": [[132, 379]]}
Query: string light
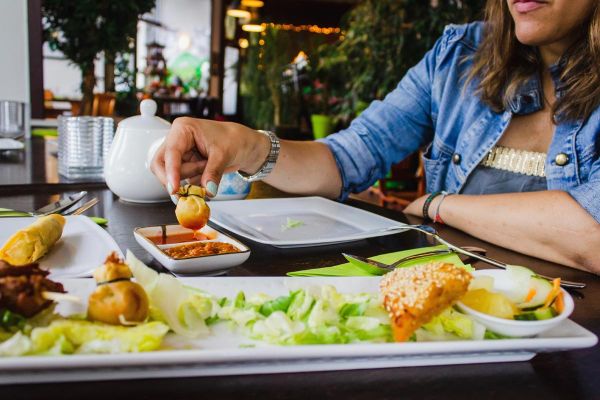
{"points": [[304, 28], [243, 43]]}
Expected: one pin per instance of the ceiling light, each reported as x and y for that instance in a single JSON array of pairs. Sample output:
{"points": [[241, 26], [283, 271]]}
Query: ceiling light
{"points": [[253, 27], [236, 10], [253, 3]]}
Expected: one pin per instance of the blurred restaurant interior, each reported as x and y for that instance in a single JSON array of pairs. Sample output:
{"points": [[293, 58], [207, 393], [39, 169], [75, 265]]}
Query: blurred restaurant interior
{"points": [[302, 68]]}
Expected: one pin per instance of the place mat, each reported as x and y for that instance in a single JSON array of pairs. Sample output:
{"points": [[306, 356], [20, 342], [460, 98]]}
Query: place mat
{"points": [[348, 269], [42, 132]]}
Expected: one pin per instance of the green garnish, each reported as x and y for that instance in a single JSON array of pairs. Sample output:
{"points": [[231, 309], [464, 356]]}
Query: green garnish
{"points": [[291, 224]]}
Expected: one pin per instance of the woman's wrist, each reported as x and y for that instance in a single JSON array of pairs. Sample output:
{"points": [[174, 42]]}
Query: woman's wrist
{"points": [[258, 147]]}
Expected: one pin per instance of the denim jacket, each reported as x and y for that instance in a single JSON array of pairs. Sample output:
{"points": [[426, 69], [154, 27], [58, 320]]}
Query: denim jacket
{"points": [[431, 108]]}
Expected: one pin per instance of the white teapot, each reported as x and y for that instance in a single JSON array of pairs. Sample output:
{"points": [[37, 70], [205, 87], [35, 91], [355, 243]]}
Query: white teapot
{"points": [[127, 168]]}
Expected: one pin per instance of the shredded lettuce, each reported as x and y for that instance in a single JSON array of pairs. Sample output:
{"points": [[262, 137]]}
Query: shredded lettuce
{"points": [[67, 336], [450, 325], [80, 336], [315, 315], [185, 310], [17, 345]]}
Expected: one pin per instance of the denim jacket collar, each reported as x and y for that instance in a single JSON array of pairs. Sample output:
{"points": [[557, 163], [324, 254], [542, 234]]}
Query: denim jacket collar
{"points": [[529, 96]]}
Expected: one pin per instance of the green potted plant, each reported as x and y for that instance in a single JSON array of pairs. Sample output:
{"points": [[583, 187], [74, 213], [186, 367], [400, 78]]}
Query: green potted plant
{"points": [[321, 104], [382, 40], [82, 29]]}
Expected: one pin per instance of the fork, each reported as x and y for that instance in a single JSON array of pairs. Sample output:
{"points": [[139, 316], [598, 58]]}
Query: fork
{"points": [[433, 253], [430, 231]]}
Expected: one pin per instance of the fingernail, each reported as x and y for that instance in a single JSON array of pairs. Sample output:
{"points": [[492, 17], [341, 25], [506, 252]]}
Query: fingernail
{"points": [[169, 188], [212, 188]]}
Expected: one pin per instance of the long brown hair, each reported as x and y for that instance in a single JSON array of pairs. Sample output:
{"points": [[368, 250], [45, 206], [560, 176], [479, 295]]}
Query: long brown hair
{"points": [[502, 64]]}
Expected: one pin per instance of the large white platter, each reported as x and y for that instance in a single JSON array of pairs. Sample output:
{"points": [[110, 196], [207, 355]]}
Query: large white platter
{"points": [[82, 248], [226, 353], [323, 221]]}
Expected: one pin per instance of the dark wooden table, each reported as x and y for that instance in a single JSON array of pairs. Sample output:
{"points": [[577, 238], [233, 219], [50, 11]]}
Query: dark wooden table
{"points": [[569, 375]]}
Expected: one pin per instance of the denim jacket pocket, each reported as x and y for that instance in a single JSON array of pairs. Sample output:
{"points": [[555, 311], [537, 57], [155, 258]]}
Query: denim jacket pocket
{"points": [[435, 164]]}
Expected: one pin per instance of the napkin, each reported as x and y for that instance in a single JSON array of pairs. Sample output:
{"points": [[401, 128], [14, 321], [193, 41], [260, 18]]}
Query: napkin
{"points": [[348, 269], [7, 212], [42, 132]]}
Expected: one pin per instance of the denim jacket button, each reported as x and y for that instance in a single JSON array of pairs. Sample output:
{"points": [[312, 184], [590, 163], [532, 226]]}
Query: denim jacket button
{"points": [[456, 158], [561, 159]]}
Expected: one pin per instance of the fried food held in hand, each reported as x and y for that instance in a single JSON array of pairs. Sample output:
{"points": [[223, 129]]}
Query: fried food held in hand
{"points": [[413, 296], [31, 243], [117, 300], [192, 212], [22, 289]]}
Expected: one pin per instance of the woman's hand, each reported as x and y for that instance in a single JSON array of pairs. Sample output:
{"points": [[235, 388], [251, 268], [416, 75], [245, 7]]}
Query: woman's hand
{"points": [[202, 150]]}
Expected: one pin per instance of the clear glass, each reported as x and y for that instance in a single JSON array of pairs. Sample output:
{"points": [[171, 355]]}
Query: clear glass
{"points": [[12, 119], [83, 145]]}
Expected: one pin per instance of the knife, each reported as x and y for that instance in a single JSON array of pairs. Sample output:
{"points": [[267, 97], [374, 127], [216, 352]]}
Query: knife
{"points": [[52, 208], [366, 264]]}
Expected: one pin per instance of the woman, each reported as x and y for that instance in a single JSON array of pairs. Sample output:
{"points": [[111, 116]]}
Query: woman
{"points": [[522, 86]]}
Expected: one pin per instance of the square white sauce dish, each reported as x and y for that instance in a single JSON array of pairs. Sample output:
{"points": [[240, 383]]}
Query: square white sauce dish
{"points": [[208, 252]]}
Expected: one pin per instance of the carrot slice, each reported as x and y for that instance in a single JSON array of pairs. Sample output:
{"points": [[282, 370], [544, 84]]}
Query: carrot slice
{"points": [[530, 294], [553, 293], [559, 303]]}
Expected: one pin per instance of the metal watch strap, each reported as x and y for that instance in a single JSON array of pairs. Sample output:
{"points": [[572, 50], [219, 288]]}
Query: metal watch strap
{"points": [[269, 163]]}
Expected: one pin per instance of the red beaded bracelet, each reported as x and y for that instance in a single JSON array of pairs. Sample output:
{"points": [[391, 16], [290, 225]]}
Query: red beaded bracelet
{"points": [[427, 203]]}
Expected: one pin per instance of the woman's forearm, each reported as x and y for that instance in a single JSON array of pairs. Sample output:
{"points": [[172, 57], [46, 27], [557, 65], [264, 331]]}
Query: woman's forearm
{"points": [[550, 225], [306, 168]]}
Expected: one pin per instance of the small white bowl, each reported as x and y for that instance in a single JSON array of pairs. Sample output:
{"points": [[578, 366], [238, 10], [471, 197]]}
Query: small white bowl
{"points": [[509, 327], [204, 265]]}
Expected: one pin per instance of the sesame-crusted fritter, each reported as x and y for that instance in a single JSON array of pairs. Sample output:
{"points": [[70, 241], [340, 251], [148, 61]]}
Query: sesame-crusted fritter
{"points": [[413, 296]]}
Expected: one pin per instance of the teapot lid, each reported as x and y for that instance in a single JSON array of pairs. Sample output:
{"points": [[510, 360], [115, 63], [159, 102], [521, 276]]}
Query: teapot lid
{"points": [[147, 120]]}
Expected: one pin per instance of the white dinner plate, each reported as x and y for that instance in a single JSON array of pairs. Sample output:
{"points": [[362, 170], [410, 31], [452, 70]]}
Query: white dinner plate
{"points": [[11, 144], [206, 265], [317, 221], [82, 248], [227, 352]]}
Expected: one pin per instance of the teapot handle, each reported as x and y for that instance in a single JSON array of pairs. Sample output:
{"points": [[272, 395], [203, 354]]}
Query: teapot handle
{"points": [[152, 151]]}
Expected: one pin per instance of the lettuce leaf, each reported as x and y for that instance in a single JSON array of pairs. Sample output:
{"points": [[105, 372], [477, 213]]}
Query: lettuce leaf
{"points": [[185, 310], [80, 336]]}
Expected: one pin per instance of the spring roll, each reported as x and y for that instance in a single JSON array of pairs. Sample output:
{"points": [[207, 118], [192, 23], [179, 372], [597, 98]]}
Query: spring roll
{"points": [[31, 243]]}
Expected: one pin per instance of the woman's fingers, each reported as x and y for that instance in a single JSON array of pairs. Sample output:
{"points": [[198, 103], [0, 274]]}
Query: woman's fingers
{"points": [[215, 166], [158, 165], [193, 168], [179, 142]]}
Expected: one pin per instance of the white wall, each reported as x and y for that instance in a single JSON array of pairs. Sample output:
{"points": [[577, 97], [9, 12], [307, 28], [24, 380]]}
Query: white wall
{"points": [[63, 77], [14, 51]]}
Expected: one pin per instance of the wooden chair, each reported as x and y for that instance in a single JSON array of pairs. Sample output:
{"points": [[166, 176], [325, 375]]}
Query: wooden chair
{"points": [[104, 104]]}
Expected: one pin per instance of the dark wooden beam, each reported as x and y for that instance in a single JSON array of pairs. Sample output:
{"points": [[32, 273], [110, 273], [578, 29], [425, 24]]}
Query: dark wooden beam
{"points": [[36, 63], [217, 51]]}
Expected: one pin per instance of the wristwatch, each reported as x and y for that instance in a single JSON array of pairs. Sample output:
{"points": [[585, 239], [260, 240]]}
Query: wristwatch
{"points": [[269, 163]]}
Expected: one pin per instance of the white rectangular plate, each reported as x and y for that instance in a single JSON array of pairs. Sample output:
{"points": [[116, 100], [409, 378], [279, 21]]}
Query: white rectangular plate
{"points": [[82, 248], [206, 265], [225, 353], [322, 221]]}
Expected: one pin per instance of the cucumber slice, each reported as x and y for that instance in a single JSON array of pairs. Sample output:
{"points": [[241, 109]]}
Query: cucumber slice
{"points": [[520, 276], [542, 289], [537, 315], [482, 282]]}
